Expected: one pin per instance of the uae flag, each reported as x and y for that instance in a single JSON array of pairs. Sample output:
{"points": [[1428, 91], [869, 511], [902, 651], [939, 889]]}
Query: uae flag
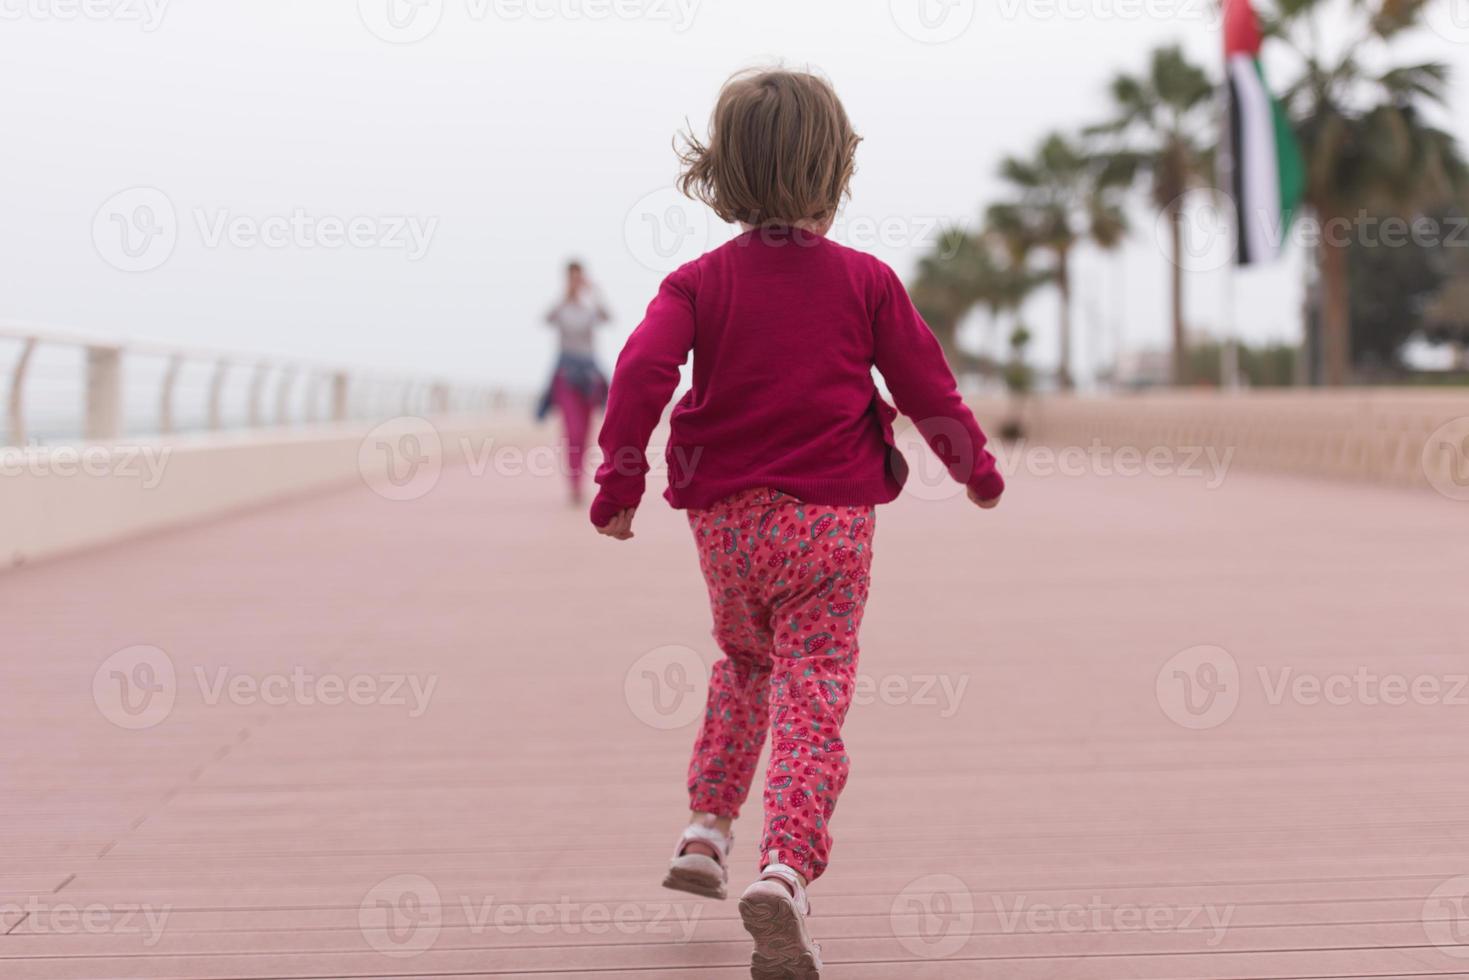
{"points": [[1265, 170]]}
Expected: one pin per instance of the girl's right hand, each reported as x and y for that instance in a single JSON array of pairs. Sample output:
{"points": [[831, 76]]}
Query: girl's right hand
{"points": [[620, 527], [990, 504]]}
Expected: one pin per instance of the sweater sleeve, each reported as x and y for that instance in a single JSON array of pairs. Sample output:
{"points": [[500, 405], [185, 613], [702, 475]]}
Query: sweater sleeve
{"points": [[912, 363], [643, 381]]}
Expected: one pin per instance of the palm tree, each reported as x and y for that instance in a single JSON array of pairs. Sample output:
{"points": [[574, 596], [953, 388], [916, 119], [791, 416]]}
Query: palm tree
{"points": [[1062, 196], [963, 271], [1366, 142], [1161, 129], [948, 285]]}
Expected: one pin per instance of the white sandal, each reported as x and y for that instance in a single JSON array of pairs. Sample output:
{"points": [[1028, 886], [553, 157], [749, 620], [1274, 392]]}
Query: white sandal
{"points": [[700, 873], [776, 919]]}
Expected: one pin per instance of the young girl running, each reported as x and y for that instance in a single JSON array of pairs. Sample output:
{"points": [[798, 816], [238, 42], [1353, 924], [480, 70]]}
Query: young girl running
{"points": [[779, 452]]}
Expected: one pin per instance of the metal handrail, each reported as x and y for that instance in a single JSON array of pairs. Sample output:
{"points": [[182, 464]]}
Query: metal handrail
{"points": [[104, 385]]}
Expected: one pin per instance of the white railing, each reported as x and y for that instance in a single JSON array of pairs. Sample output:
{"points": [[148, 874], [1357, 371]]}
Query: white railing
{"points": [[97, 390]]}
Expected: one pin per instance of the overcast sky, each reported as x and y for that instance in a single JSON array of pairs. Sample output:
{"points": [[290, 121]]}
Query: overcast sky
{"points": [[401, 186]]}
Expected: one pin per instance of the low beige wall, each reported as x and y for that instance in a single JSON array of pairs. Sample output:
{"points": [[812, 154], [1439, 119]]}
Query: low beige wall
{"points": [[1404, 437], [57, 501], [63, 499]]}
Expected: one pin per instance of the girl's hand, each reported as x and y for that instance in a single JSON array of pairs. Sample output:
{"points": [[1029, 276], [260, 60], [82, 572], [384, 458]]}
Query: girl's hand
{"points": [[620, 527], [990, 504]]}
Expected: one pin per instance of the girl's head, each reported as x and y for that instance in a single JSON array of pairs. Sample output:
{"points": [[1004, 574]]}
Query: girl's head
{"points": [[780, 151]]}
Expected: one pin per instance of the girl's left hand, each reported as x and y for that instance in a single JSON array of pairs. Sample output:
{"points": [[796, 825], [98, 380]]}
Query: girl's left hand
{"points": [[620, 527]]}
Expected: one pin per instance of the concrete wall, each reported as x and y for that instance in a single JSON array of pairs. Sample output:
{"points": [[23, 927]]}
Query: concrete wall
{"points": [[1407, 437], [55, 501], [58, 500]]}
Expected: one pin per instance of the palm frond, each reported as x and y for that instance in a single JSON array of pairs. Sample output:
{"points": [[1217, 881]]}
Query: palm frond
{"points": [[1429, 80]]}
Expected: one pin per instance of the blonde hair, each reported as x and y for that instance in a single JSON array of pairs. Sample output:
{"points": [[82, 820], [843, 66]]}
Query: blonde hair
{"points": [[780, 150]]}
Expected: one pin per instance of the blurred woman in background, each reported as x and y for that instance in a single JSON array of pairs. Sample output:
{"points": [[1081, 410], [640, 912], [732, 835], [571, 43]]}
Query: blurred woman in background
{"points": [[577, 386]]}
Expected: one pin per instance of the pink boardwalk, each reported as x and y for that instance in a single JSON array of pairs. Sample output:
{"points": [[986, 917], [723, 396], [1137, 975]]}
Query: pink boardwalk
{"points": [[1120, 728]]}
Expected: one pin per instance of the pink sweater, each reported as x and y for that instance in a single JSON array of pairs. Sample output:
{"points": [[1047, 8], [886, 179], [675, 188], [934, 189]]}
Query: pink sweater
{"points": [[785, 327]]}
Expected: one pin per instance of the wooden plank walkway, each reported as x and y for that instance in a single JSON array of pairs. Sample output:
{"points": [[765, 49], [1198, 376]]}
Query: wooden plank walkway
{"points": [[1023, 803]]}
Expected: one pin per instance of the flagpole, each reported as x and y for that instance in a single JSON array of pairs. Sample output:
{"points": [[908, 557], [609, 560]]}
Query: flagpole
{"points": [[1224, 177], [1229, 353]]}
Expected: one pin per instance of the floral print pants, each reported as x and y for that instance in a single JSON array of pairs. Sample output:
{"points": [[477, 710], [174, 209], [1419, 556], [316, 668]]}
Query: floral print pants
{"points": [[787, 584]]}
